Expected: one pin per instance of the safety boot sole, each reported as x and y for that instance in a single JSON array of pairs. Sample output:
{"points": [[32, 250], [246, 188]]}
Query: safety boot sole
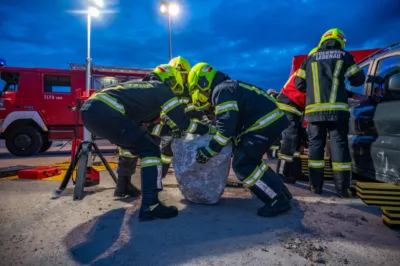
{"points": [[271, 211], [159, 212]]}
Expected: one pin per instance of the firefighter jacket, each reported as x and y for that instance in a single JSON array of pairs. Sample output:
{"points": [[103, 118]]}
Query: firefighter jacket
{"points": [[186, 101], [322, 76], [158, 129], [143, 101], [291, 99], [240, 108]]}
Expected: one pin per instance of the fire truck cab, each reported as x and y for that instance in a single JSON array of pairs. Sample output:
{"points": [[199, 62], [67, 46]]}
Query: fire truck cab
{"points": [[37, 104]]}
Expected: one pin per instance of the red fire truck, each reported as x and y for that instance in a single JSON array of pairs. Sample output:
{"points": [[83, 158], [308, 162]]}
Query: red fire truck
{"points": [[36, 104]]}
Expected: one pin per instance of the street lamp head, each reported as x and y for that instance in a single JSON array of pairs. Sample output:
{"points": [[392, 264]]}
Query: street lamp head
{"points": [[93, 12], [173, 9], [163, 7], [98, 3]]}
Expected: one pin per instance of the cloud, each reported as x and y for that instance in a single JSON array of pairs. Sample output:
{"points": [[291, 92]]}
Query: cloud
{"points": [[250, 40]]}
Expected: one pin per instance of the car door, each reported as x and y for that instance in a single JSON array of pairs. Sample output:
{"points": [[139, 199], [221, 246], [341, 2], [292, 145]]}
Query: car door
{"points": [[385, 149], [361, 128]]}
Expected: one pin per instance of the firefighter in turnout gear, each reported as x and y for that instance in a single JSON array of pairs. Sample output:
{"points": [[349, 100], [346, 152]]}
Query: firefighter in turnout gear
{"points": [[322, 76], [249, 117], [117, 114], [292, 102], [183, 66]]}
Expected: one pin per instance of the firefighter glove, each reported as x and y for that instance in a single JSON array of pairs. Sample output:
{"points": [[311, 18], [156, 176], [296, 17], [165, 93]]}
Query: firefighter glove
{"points": [[176, 132], [203, 155]]}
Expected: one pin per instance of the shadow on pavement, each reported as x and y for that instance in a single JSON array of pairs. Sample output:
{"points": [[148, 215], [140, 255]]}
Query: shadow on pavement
{"points": [[198, 231], [100, 237]]}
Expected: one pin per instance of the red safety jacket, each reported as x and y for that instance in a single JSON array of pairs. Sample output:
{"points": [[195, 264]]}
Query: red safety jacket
{"points": [[297, 97]]}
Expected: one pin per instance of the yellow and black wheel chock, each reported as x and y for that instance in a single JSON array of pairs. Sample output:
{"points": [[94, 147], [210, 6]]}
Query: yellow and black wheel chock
{"points": [[384, 195]]}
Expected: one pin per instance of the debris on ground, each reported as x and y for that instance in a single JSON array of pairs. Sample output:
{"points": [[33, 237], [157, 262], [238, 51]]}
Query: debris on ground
{"points": [[307, 246], [351, 218]]}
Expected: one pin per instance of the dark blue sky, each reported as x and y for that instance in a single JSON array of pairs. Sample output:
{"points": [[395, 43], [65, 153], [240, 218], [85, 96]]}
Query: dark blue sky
{"points": [[251, 40]]}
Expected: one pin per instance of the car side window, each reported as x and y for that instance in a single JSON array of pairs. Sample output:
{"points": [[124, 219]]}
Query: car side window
{"points": [[358, 89], [385, 69]]}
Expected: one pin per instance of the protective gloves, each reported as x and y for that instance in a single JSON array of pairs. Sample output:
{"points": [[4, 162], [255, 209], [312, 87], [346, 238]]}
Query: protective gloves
{"points": [[203, 155], [176, 132]]}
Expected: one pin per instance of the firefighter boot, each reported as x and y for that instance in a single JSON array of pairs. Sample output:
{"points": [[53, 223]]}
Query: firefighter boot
{"points": [[285, 171], [157, 211], [316, 179], [276, 206], [152, 208], [342, 184], [131, 190], [296, 170], [121, 188], [286, 192], [125, 188]]}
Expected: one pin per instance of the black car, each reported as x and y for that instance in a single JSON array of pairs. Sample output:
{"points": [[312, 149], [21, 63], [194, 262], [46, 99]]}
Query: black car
{"points": [[374, 136]]}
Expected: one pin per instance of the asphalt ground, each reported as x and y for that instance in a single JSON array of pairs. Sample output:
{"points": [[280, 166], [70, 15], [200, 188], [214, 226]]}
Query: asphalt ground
{"points": [[100, 230]]}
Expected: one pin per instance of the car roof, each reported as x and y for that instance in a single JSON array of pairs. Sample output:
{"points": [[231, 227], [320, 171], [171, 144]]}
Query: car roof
{"points": [[394, 47]]}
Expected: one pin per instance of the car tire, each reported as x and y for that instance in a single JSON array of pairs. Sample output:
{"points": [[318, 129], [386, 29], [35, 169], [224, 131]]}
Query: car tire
{"points": [[24, 141], [46, 145]]}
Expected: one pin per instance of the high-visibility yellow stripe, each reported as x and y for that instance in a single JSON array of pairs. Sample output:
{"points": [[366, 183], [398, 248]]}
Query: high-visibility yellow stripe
{"points": [[335, 81], [170, 104], [125, 153], [110, 101], [156, 130], [257, 90], [255, 175], [339, 166], [165, 159], [189, 107], [221, 139], [150, 161], [316, 163], [192, 127], [351, 71], [226, 106], [301, 73], [184, 100], [285, 157], [325, 107], [288, 108], [266, 120], [317, 94]]}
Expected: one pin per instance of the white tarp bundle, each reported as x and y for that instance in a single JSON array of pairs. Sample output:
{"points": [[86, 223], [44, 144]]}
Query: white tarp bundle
{"points": [[200, 183]]}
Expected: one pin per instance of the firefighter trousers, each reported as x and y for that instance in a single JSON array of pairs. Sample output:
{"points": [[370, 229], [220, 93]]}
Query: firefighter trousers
{"points": [[123, 132], [126, 168], [166, 153], [289, 163], [249, 167], [340, 155]]}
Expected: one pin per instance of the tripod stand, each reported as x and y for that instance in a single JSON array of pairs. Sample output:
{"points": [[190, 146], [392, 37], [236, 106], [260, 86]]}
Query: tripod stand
{"points": [[79, 162]]}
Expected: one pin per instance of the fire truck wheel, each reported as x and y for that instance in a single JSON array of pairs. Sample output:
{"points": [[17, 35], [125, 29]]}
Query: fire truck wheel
{"points": [[46, 145], [24, 141]]}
